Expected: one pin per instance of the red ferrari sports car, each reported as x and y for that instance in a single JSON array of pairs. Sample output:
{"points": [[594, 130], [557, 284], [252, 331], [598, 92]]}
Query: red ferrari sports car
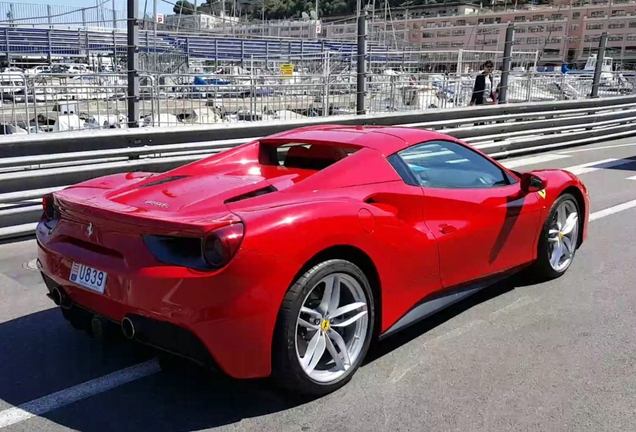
{"points": [[288, 255]]}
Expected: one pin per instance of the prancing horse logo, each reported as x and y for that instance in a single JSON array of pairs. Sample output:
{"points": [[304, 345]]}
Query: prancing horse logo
{"points": [[89, 229]]}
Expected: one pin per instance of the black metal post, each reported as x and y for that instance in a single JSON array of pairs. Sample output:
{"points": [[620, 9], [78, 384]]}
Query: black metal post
{"points": [[602, 43], [507, 63], [361, 61], [133, 64]]}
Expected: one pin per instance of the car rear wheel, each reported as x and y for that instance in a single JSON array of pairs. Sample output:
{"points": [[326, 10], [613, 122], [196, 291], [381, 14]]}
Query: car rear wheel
{"points": [[559, 238], [324, 330]]}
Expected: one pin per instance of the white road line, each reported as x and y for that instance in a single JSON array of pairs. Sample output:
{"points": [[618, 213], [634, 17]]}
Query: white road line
{"points": [[599, 148], [534, 160], [598, 165], [612, 210], [73, 394], [631, 178]]}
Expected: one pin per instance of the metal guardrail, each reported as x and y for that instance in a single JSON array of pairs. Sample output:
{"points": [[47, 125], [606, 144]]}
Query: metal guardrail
{"points": [[31, 167]]}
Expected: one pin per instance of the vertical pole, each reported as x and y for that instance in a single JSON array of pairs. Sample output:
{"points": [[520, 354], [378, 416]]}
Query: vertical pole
{"points": [[362, 52], [49, 15], [602, 43], [49, 55], [507, 62], [114, 15], [133, 63], [99, 13], [154, 36], [115, 51]]}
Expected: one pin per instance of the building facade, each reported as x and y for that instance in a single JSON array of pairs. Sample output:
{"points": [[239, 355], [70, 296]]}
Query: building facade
{"points": [[198, 21], [566, 31]]}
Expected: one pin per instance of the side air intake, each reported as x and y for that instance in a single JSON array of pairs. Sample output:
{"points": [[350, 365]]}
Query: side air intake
{"points": [[253, 194]]}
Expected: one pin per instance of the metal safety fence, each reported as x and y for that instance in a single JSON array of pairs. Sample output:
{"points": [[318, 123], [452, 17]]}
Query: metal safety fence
{"points": [[47, 162], [45, 103]]}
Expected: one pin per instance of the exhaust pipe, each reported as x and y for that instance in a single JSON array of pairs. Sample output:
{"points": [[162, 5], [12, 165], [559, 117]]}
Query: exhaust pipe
{"points": [[128, 328], [56, 296], [60, 298]]}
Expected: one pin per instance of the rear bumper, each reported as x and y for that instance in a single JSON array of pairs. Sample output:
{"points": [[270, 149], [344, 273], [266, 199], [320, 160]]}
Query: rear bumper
{"points": [[162, 335], [224, 319]]}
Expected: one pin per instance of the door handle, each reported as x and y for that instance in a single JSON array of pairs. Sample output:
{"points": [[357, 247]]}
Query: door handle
{"points": [[447, 229]]}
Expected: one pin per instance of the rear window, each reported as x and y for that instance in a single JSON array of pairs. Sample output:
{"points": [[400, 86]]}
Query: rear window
{"points": [[304, 156]]}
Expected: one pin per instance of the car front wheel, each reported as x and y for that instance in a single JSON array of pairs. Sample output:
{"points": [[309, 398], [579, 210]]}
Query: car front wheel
{"points": [[324, 330], [559, 238]]}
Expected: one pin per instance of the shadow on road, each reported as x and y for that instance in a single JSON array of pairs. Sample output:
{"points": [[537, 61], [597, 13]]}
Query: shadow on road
{"points": [[42, 354], [627, 164]]}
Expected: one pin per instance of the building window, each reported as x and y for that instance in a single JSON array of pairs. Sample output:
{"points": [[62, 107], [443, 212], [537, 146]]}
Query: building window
{"points": [[616, 25], [594, 26]]}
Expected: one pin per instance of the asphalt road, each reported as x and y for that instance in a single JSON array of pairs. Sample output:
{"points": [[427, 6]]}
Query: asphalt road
{"points": [[560, 356]]}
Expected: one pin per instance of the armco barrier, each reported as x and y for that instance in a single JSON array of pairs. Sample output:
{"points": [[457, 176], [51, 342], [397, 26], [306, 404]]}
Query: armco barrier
{"points": [[64, 142], [38, 164]]}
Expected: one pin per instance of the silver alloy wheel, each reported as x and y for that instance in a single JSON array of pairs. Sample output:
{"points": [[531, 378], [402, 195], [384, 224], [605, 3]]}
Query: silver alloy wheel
{"points": [[331, 328], [563, 235]]}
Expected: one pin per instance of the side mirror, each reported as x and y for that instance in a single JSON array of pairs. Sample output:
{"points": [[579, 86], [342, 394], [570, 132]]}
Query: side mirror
{"points": [[532, 183]]}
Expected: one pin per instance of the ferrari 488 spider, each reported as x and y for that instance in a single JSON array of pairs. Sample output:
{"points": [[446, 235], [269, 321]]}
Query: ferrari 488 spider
{"points": [[287, 256]]}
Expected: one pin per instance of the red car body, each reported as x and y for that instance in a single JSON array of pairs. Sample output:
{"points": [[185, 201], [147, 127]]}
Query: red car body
{"points": [[419, 243]]}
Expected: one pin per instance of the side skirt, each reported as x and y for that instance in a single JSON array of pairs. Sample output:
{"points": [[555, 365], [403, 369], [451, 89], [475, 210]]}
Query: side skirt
{"points": [[437, 302]]}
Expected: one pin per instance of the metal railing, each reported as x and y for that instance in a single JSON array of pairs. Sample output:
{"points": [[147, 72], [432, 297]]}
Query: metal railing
{"points": [[47, 162], [45, 103]]}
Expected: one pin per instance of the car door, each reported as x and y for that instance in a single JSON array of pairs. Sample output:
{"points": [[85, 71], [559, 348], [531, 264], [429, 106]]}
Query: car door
{"points": [[483, 222]]}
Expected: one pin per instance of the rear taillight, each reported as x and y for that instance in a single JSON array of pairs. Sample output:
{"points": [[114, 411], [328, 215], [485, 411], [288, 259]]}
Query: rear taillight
{"points": [[212, 252], [48, 205], [220, 246]]}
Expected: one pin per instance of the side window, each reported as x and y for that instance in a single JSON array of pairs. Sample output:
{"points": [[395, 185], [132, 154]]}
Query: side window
{"points": [[444, 164]]}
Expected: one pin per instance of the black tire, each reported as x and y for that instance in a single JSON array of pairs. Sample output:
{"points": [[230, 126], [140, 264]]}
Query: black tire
{"points": [[287, 372], [542, 270]]}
